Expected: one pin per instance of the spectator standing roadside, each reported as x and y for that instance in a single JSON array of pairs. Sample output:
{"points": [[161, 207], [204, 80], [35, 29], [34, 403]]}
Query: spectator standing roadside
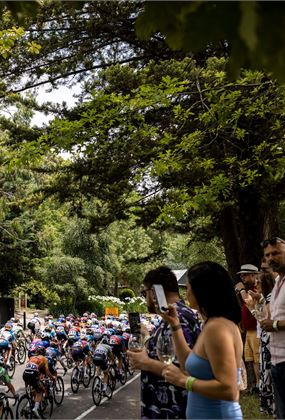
{"points": [[260, 300], [160, 399], [248, 274], [214, 365], [274, 253]]}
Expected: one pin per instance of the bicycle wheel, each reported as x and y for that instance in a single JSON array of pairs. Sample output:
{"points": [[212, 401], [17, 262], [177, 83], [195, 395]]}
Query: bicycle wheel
{"points": [[58, 391], [75, 380], [28, 340], [46, 407], [69, 362], [7, 413], [109, 389], [87, 377], [112, 377], [24, 408], [96, 390], [123, 377], [92, 369], [11, 368], [21, 353]]}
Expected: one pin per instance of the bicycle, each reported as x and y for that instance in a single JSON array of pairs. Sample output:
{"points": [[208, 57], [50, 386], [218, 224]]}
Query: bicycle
{"points": [[26, 402], [12, 364], [20, 352], [78, 376], [57, 388], [5, 409], [97, 388], [126, 365]]}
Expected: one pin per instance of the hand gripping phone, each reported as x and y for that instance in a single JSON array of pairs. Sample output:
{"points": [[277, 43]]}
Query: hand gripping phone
{"points": [[135, 322], [160, 298]]}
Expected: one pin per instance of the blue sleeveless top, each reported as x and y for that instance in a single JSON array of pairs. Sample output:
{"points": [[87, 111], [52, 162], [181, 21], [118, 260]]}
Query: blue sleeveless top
{"points": [[199, 407]]}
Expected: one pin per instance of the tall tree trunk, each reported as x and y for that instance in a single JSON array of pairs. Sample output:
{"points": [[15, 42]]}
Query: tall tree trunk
{"points": [[244, 227], [230, 238]]}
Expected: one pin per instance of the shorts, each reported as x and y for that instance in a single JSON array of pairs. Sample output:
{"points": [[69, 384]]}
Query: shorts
{"points": [[51, 365], [117, 349], [33, 378], [100, 361], [4, 345], [4, 377], [251, 347], [77, 354], [32, 327]]}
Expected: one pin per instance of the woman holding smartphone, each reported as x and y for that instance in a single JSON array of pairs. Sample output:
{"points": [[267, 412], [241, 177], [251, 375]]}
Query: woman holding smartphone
{"points": [[212, 369]]}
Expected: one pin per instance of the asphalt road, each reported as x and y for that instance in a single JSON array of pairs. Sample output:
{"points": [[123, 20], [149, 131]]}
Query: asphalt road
{"points": [[123, 405]]}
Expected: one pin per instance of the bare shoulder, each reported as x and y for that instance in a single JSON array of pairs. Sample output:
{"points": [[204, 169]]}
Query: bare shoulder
{"points": [[220, 327]]}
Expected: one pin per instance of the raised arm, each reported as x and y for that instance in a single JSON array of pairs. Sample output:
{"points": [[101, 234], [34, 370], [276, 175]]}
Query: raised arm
{"points": [[182, 349]]}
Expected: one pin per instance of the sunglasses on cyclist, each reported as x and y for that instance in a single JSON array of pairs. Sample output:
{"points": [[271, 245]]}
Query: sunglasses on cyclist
{"points": [[271, 241]]}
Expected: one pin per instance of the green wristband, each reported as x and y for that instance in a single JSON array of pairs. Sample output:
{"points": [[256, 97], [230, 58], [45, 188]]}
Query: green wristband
{"points": [[189, 383]]}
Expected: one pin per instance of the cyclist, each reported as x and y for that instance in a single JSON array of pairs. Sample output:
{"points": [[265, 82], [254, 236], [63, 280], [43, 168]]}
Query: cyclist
{"points": [[80, 351], [34, 324], [7, 342], [37, 366], [4, 378], [102, 356], [117, 343], [54, 355]]}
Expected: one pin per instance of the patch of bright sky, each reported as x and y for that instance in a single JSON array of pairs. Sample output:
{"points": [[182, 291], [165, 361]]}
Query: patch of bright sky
{"points": [[62, 94]]}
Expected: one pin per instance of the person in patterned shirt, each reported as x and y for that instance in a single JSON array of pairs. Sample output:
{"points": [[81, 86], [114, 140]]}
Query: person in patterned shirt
{"points": [[160, 399]]}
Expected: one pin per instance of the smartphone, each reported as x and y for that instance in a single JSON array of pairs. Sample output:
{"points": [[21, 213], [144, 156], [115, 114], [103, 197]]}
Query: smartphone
{"points": [[135, 322], [160, 298]]}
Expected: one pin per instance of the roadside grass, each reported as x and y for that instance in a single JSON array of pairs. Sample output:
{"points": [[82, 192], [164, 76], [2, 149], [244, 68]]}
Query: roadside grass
{"points": [[250, 407]]}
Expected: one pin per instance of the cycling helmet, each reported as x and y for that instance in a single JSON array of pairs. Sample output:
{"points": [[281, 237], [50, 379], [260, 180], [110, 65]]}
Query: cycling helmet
{"points": [[36, 314], [97, 336], [104, 340], [40, 350], [126, 336], [115, 340]]}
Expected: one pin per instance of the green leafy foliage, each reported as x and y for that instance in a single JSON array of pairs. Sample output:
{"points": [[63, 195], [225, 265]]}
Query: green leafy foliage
{"points": [[252, 30], [39, 295]]}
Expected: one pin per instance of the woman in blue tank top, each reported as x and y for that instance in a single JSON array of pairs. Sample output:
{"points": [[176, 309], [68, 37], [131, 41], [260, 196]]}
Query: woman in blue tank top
{"points": [[212, 368]]}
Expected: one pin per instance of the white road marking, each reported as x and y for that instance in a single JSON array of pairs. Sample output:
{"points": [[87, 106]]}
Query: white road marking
{"points": [[106, 399]]}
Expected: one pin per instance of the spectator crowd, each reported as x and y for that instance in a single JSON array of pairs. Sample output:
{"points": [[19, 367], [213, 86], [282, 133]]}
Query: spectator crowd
{"points": [[212, 343]]}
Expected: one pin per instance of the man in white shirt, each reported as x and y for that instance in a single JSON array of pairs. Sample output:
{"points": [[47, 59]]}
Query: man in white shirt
{"points": [[274, 253]]}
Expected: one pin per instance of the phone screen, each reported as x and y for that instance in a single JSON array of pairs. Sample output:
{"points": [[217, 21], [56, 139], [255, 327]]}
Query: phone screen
{"points": [[160, 297], [134, 320]]}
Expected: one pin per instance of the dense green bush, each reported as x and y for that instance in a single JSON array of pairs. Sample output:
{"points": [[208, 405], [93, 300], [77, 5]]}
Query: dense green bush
{"points": [[126, 293], [90, 306], [39, 296]]}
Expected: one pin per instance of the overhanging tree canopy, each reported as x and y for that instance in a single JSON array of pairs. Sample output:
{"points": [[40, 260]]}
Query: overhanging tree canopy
{"points": [[189, 142]]}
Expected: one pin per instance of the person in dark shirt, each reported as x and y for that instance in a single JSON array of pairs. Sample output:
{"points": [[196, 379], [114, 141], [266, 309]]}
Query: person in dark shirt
{"points": [[248, 275], [160, 399]]}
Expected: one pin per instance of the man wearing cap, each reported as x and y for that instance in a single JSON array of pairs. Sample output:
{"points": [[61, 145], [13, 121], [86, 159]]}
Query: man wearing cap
{"points": [[274, 253], [248, 274]]}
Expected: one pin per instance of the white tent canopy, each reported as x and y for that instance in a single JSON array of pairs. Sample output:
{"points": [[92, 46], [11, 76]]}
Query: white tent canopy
{"points": [[181, 276]]}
